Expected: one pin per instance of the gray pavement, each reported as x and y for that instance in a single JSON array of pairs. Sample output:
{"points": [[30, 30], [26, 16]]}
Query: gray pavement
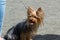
{"points": [[16, 12]]}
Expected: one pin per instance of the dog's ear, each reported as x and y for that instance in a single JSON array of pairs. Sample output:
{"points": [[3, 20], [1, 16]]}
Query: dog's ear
{"points": [[40, 14], [30, 10], [39, 11]]}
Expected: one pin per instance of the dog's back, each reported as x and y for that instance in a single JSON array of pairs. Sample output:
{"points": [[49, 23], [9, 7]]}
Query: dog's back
{"points": [[14, 32]]}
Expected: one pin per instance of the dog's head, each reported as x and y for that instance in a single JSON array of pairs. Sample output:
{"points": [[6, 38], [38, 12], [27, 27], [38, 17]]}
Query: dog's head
{"points": [[35, 17]]}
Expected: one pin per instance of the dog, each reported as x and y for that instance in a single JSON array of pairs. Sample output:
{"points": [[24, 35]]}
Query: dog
{"points": [[26, 29]]}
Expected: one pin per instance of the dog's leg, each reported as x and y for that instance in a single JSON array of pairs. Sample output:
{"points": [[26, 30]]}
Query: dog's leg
{"points": [[28, 36], [22, 36]]}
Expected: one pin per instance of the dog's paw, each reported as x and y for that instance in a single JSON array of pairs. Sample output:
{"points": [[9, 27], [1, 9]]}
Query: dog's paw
{"points": [[30, 39]]}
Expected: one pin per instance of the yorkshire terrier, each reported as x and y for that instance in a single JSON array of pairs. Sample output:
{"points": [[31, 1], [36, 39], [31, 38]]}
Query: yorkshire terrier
{"points": [[26, 29]]}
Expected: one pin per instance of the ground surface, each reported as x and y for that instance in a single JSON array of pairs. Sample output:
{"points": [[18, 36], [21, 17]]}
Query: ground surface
{"points": [[16, 12]]}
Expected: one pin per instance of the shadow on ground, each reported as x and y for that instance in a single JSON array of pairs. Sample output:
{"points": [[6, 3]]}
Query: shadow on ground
{"points": [[47, 37]]}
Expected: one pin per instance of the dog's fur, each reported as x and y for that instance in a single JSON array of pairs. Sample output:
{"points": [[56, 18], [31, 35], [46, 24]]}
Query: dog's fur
{"points": [[24, 30]]}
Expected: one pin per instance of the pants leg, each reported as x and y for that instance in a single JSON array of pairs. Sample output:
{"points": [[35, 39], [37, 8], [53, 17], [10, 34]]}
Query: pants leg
{"points": [[2, 12]]}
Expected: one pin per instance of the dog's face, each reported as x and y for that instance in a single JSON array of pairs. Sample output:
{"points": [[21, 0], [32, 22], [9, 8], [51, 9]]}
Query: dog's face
{"points": [[35, 17]]}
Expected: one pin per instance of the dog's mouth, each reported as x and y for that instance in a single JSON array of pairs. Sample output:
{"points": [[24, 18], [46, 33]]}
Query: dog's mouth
{"points": [[32, 22]]}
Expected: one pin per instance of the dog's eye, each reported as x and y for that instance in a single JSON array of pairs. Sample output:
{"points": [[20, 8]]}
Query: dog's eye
{"points": [[36, 17], [29, 15]]}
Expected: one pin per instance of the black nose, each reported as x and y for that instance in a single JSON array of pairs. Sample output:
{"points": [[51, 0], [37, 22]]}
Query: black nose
{"points": [[31, 21]]}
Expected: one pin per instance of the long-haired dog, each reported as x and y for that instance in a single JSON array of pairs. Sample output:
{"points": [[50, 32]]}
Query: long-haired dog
{"points": [[24, 30]]}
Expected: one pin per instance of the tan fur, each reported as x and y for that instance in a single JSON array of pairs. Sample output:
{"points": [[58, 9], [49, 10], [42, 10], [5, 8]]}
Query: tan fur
{"points": [[36, 17]]}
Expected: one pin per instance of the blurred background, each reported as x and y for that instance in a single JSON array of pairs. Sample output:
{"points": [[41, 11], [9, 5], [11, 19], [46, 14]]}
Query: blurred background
{"points": [[16, 12]]}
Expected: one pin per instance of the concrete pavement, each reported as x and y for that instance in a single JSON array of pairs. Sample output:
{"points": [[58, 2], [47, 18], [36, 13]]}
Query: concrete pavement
{"points": [[16, 12]]}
